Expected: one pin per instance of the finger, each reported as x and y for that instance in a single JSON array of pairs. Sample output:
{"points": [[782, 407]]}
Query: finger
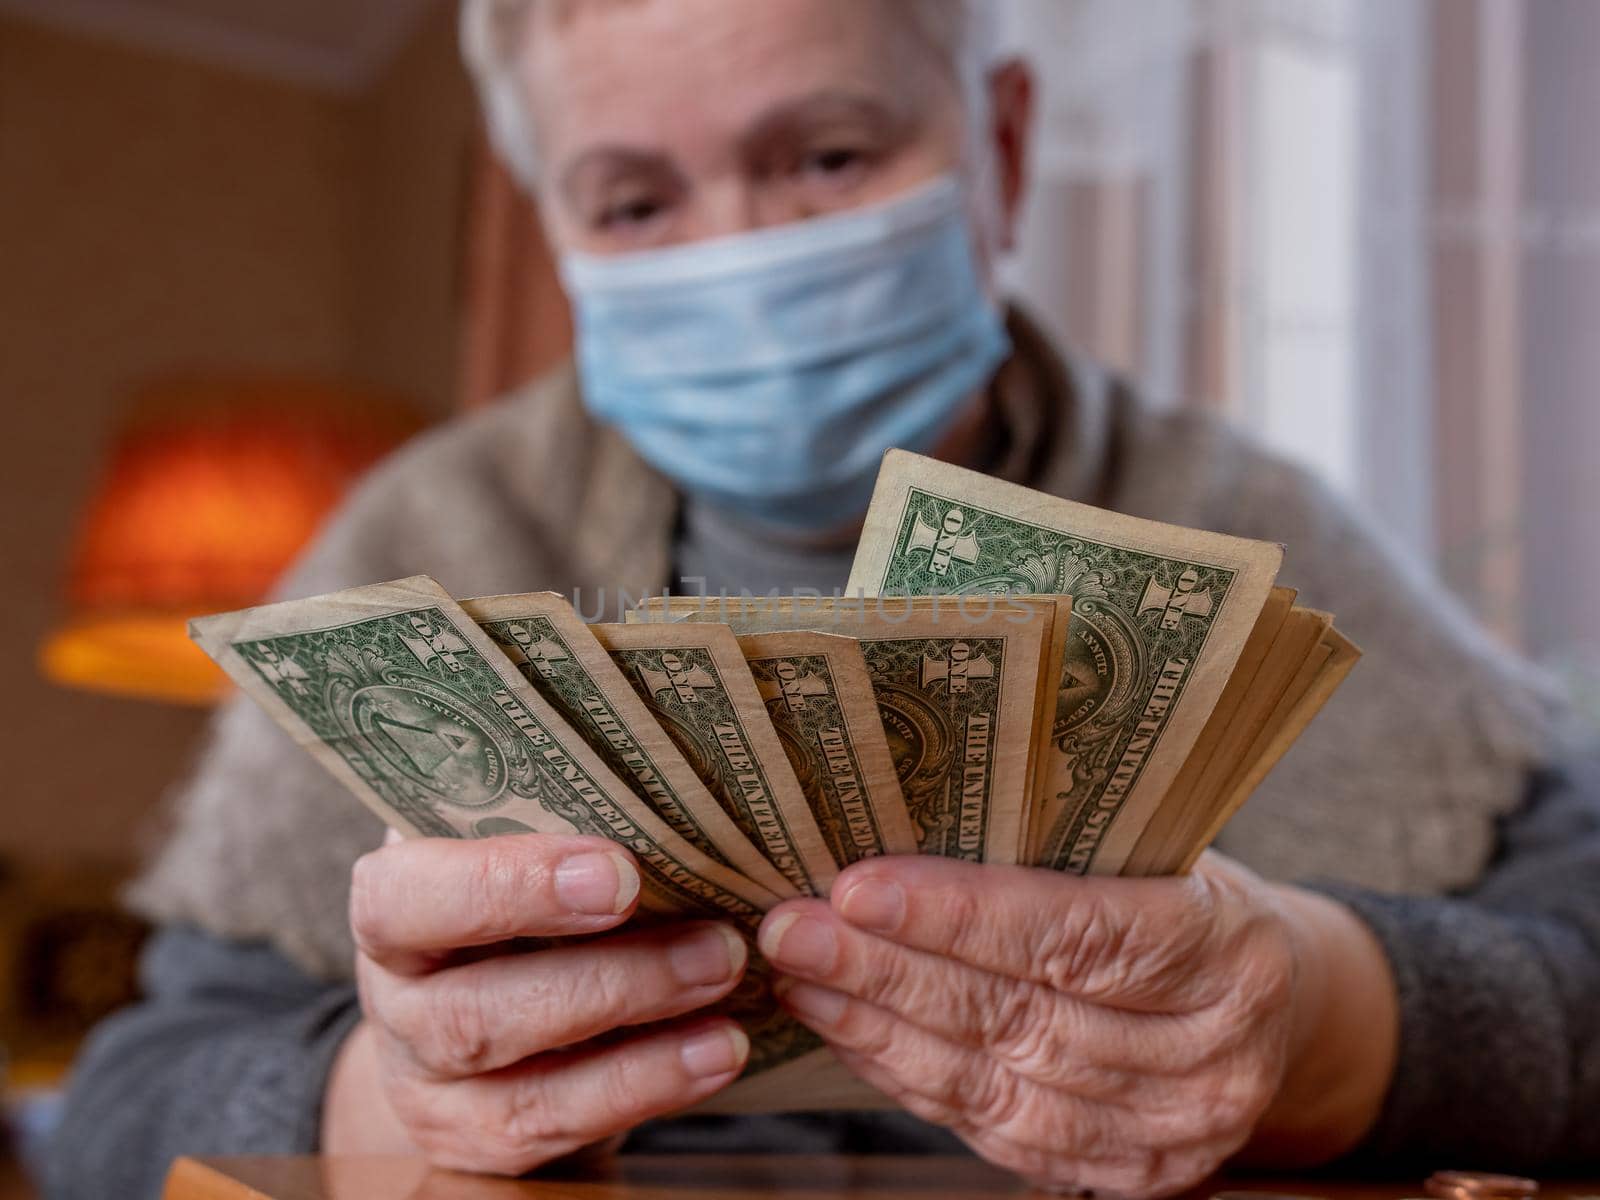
{"points": [[413, 903], [514, 1120], [487, 1015], [1057, 1171], [1138, 1171], [1055, 1039], [954, 1080], [1131, 943]]}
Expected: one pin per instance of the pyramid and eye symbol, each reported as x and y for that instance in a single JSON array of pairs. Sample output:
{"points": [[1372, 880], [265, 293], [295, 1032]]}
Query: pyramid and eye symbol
{"points": [[1078, 682], [425, 749], [425, 741]]}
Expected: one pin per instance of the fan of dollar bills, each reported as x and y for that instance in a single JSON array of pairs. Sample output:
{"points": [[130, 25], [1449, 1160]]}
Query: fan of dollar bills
{"points": [[1008, 678]]}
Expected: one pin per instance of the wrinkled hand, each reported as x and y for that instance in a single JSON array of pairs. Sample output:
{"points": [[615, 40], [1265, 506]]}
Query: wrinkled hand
{"points": [[1119, 1035], [477, 1059]]}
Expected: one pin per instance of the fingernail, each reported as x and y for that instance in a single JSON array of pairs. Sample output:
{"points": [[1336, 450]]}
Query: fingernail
{"points": [[875, 904], [709, 956], [597, 884], [715, 1052], [799, 943], [819, 1006]]}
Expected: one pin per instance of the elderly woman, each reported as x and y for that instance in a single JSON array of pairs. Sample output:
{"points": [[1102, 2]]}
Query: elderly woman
{"points": [[1436, 991]]}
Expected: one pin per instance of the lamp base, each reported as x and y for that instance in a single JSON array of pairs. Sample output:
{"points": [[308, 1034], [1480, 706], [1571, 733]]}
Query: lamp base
{"points": [[145, 656]]}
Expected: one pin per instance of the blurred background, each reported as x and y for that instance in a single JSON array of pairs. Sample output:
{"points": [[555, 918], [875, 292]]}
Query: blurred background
{"points": [[246, 249]]}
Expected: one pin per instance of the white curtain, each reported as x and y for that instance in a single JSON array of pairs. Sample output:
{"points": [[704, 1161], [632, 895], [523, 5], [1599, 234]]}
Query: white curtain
{"points": [[1369, 231]]}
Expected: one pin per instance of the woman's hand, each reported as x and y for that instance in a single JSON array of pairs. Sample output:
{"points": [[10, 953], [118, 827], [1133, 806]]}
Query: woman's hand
{"points": [[477, 1060], [1118, 1035]]}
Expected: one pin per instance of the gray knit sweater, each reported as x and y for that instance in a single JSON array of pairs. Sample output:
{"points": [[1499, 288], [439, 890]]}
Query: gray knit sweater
{"points": [[1428, 796]]}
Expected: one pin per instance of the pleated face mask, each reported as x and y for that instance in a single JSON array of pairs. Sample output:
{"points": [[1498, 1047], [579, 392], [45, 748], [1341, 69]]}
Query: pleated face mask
{"points": [[766, 373]]}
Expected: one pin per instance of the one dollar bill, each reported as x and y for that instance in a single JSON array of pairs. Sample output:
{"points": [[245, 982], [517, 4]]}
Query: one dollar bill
{"points": [[1158, 619], [399, 694], [956, 695], [698, 687], [555, 651], [819, 695]]}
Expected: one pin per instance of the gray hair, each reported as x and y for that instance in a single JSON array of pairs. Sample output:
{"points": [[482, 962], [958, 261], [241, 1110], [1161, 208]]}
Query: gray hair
{"points": [[962, 32]]}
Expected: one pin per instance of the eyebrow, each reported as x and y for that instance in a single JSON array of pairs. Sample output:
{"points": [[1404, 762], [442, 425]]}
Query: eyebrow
{"points": [[615, 161], [792, 116], [782, 120]]}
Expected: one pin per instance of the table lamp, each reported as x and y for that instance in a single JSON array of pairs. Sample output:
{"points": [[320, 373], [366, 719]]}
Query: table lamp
{"points": [[212, 487]]}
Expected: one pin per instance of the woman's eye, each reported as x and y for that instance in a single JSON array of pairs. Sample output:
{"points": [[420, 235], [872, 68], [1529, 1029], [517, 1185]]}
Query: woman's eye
{"points": [[836, 160], [632, 212]]}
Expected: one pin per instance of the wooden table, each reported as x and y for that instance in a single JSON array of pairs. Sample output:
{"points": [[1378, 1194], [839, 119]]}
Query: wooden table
{"points": [[691, 1178]]}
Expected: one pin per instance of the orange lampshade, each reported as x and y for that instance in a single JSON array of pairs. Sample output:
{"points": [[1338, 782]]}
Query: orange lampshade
{"points": [[211, 490]]}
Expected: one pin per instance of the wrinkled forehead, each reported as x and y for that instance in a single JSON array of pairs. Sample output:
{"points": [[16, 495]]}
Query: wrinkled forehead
{"points": [[685, 76]]}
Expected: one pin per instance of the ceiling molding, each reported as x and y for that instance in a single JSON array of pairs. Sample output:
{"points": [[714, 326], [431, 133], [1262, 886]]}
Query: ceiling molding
{"points": [[348, 68]]}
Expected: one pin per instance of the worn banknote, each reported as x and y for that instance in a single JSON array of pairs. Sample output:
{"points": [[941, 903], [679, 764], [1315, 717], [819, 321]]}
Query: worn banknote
{"points": [[1159, 617], [956, 695], [556, 652], [397, 692], [819, 695], [697, 685]]}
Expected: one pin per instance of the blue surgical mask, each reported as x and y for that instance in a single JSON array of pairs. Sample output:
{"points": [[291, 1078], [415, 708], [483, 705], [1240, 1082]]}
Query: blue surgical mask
{"points": [[766, 373]]}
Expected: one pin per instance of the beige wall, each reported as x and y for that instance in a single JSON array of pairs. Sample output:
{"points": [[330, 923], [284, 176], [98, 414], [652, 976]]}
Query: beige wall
{"points": [[413, 139], [158, 214]]}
